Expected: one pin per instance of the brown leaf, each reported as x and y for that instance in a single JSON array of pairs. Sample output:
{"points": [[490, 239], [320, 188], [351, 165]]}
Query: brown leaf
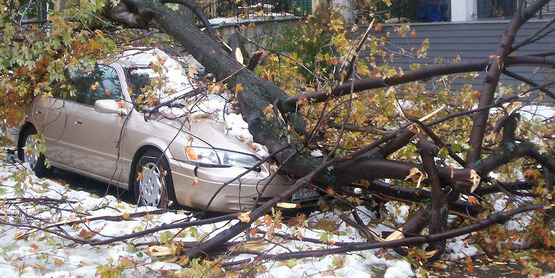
{"points": [[126, 262], [58, 262], [417, 176]]}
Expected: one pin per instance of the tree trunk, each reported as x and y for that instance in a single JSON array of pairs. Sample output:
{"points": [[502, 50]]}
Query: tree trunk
{"points": [[256, 95]]}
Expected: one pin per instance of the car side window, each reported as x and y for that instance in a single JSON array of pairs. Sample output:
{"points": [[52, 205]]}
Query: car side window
{"points": [[74, 88], [104, 84]]}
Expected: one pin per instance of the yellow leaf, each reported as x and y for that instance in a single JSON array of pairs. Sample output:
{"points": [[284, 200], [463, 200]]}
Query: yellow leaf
{"points": [[139, 176], [126, 215], [195, 181], [239, 88], [514, 107], [244, 217]]}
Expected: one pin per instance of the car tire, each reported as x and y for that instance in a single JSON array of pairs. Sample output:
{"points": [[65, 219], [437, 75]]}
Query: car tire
{"points": [[36, 162], [152, 181]]}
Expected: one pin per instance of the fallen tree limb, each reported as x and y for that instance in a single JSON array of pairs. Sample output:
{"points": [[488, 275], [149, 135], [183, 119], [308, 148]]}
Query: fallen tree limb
{"points": [[493, 219]]}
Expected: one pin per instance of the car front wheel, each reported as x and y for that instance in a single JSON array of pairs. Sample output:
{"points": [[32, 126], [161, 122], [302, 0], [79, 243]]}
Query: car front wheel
{"points": [[153, 184], [28, 152]]}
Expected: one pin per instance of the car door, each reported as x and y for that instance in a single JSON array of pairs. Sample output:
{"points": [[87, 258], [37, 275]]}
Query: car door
{"points": [[96, 136], [50, 116]]}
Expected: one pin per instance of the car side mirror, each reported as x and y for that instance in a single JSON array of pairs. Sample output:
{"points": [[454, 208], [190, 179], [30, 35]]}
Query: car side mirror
{"points": [[109, 106]]}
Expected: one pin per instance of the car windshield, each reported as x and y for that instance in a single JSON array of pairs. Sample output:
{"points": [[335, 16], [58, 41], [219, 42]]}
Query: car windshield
{"points": [[154, 77]]}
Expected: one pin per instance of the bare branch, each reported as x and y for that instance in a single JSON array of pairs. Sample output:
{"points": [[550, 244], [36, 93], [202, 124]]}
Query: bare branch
{"points": [[494, 219], [499, 62]]}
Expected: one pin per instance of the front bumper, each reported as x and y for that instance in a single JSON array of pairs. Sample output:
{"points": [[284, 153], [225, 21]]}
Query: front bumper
{"points": [[216, 184]]}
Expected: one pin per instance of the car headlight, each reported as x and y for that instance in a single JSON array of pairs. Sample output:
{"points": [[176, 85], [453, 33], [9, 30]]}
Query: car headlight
{"points": [[210, 157]]}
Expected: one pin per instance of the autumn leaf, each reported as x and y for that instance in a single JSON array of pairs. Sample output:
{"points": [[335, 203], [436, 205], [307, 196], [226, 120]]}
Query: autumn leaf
{"points": [[470, 268], [239, 88], [365, 183], [417, 176], [58, 262], [244, 217], [267, 220], [125, 262], [85, 234]]}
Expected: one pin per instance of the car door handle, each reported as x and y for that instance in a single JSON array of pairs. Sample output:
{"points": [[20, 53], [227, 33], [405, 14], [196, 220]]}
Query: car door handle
{"points": [[77, 122]]}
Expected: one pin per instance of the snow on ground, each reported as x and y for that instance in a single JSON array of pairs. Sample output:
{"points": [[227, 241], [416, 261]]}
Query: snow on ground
{"points": [[33, 253], [29, 252]]}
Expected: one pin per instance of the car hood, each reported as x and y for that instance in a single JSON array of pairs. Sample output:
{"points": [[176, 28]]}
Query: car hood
{"points": [[207, 132]]}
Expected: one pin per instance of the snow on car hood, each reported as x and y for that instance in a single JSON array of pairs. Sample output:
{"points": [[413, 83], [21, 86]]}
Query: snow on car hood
{"points": [[213, 121]]}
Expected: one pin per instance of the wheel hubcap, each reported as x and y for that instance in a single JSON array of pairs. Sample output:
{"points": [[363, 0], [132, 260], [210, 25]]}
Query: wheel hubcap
{"points": [[30, 152], [150, 185]]}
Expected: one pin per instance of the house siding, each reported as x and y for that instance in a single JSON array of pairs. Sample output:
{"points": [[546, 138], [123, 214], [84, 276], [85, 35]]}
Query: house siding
{"points": [[471, 41]]}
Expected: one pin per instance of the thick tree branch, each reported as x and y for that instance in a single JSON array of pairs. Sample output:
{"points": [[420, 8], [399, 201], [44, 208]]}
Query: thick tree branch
{"points": [[374, 83], [422, 73], [198, 12], [438, 213]]}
